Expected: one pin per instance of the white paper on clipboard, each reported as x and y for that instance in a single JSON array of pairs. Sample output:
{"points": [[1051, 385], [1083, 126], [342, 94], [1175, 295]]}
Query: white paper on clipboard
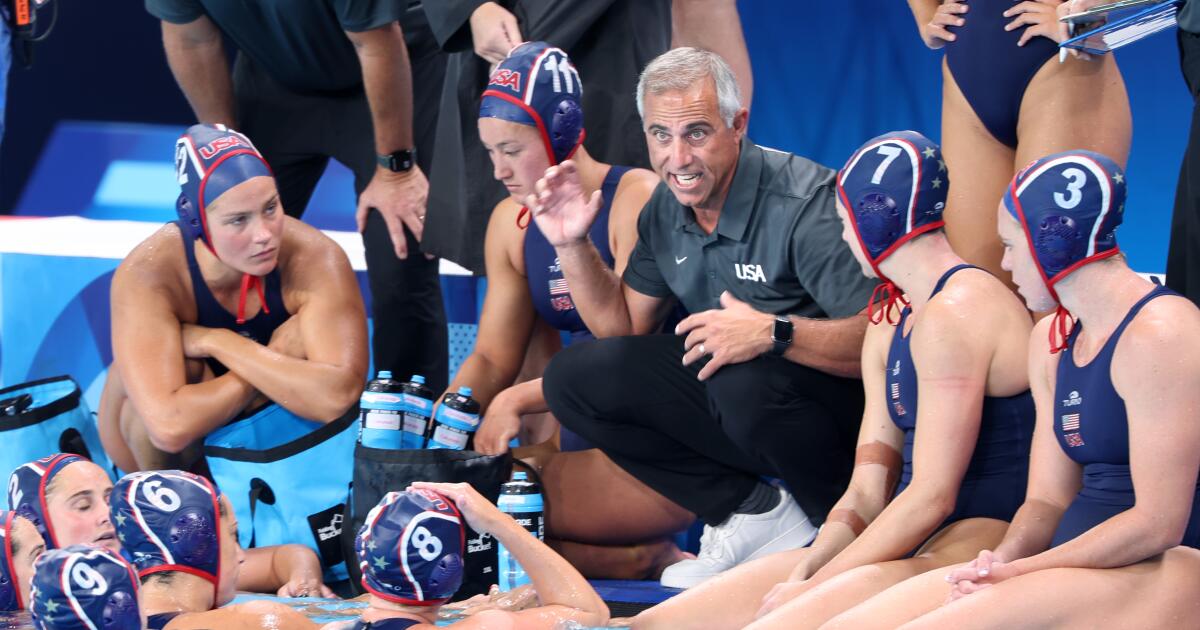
{"points": [[1125, 30]]}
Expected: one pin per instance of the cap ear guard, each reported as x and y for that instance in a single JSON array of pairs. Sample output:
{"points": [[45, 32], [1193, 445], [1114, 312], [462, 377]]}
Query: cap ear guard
{"points": [[878, 221], [189, 220]]}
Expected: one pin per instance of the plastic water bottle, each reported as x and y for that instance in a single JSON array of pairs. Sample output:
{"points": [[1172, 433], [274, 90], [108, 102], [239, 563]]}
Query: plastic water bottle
{"points": [[456, 421], [418, 408], [380, 411], [522, 500]]}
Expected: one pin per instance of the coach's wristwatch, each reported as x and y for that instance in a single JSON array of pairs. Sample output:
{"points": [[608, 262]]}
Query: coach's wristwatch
{"points": [[400, 161], [781, 335]]}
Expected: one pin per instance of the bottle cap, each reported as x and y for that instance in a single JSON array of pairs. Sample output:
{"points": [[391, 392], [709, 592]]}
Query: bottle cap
{"points": [[465, 391], [520, 476], [385, 374], [418, 379]]}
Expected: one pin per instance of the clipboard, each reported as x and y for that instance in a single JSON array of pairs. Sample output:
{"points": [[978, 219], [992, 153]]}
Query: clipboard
{"points": [[1156, 16]]}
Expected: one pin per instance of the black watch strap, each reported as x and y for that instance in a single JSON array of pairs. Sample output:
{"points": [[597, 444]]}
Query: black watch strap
{"points": [[781, 335], [398, 161]]}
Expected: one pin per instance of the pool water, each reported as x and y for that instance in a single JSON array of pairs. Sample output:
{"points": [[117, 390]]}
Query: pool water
{"points": [[321, 610]]}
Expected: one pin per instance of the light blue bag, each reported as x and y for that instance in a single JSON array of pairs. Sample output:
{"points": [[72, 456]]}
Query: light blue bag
{"points": [[53, 419], [288, 479]]}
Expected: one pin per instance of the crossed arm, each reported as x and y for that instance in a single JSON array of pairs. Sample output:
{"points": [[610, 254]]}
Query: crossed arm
{"points": [[314, 366]]}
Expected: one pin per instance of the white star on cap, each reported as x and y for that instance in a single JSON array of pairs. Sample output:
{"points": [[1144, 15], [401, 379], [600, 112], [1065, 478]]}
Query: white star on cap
{"points": [[937, 182], [380, 562], [929, 152], [941, 166], [51, 606], [120, 520], [1119, 178]]}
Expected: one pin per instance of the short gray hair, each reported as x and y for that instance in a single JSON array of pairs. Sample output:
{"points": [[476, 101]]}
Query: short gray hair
{"points": [[681, 68]]}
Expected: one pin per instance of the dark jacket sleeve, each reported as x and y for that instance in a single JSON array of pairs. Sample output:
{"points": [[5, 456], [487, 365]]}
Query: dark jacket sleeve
{"points": [[560, 22], [448, 19]]}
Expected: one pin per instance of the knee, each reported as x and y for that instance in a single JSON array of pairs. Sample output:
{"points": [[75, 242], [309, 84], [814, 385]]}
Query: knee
{"points": [[751, 419], [576, 365]]}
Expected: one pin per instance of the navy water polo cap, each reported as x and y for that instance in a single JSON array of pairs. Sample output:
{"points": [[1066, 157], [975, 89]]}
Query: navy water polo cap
{"points": [[1069, 206], [411, 548], [537, 85], [86, 588], [209, 160], [27, 491], [168, 521], [894, 189]]}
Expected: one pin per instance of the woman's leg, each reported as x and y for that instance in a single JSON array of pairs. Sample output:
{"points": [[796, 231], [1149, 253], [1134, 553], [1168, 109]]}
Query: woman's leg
{"points": [[1075, 105], [958, 542], [979, 168], [606, 523], [901, 603], [637, 561], [123, 431], [728, 600], [590, 499], [1159, 593]]}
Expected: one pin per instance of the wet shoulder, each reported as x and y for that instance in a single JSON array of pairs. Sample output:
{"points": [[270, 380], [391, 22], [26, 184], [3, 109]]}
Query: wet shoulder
{"points": [[505, 240], [1166, 330], [158, 263], [306, 252]]}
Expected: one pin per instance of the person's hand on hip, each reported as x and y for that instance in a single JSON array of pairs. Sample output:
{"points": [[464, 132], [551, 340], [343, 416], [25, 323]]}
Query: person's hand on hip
{"points": [[400, 198]]}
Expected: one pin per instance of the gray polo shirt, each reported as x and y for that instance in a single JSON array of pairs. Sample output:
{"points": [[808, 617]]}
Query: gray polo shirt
{"points": [[777, 245]]}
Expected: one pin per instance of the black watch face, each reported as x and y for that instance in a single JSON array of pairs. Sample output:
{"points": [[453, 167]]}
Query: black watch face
{"points": [[783, 330], [399, 161]]}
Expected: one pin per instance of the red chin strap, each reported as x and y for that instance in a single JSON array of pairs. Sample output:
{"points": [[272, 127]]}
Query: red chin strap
{"points": [[1060, 329], [248, 282], [889, 294]]}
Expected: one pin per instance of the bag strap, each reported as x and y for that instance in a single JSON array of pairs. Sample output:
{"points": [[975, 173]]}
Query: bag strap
{"points": [[259, 491]]}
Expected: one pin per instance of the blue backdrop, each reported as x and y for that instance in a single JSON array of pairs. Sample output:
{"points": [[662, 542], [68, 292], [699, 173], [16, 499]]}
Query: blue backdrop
{"points": [[828, 75]]}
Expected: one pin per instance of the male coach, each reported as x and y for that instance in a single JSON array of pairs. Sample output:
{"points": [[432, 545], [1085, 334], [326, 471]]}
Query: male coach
{"points": [[762, 379]]}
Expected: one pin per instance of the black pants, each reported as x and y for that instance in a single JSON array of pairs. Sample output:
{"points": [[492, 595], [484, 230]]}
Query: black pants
{"points": [[298, 133], [1183, 253], [705, 444]]}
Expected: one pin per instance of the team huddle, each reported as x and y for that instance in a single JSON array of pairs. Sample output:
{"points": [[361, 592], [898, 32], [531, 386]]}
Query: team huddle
{"points": [[880, 421]]}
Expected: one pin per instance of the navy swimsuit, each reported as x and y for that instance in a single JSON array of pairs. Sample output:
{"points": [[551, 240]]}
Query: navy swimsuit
{"points": [[160, 621], [395, 623], [210, 313], [994, 484], [990, 69], [1092, 427], [552, 296]]}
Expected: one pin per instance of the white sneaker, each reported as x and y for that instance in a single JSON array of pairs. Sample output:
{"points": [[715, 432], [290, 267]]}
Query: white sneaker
{"points": [[743, 537]]}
